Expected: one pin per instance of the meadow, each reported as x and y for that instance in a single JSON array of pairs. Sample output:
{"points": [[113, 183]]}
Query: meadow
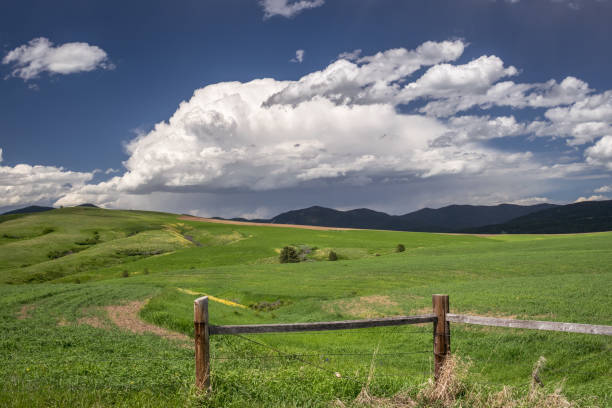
{"points": [[96, 309]]}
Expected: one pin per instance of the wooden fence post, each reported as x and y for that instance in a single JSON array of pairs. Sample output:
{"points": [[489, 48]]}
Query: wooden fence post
{"points": [[202, 344], [441, 333]]}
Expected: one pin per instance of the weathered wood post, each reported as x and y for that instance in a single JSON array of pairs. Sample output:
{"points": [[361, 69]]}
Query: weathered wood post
{"points": [[441, 333], [202, 344]]}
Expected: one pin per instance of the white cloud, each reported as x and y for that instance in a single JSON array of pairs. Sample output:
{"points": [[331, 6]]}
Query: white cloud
{"points": [[471, 128], [591, 198], [225, 139], [350, 56], [531, 201], [604, 189], [600, 154], [24, 184], [369, 79], [584, 121], [506, 93], [299, 56], [595, 108], [288, 8], [445, 79], [40, 55]]}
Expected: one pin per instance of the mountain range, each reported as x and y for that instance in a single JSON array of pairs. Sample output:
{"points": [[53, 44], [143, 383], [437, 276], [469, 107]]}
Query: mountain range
{"points": [[504, 218], [588, 216], [451, 218]]}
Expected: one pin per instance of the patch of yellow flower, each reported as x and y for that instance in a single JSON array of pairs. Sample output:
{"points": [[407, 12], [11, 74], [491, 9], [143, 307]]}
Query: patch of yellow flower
{"points": [[213, 298]]}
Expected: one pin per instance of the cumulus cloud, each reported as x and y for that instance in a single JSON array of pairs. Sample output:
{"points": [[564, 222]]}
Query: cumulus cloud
{"points": [[604, 189], [474, 77], [600, 154], [288, 8], [470, 128], [591, 198], [369, 79], [40, 55], [586, 120], [25, 184], [350, 56], [299, 56], [226, 139], [531, 201], [505, 93]]}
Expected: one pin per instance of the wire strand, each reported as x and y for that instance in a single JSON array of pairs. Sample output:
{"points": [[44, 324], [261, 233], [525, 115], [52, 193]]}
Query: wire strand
{"points": [[336, 374]]}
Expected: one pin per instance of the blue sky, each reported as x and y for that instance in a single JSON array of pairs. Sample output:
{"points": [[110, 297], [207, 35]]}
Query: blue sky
{"points": [[470, 118]]}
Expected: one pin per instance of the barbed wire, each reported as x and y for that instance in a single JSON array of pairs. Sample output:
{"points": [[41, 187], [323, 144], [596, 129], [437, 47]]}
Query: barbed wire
{"points": [[291, 355], [335, 373], [78, 359]]}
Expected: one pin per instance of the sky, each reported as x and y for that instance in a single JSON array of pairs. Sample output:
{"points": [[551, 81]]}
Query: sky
{"points": [[248, 108]]}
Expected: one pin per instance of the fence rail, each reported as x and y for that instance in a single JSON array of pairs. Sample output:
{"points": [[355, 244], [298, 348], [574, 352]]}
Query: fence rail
{"points": [[441, 319], [321, 326], [531, 324]]}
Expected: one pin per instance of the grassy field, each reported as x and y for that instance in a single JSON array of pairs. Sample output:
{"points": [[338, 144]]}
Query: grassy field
{"points": [[78, 283]]}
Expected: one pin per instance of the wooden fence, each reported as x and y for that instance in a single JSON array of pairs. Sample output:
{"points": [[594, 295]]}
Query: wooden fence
{"points": [[440, 317]]}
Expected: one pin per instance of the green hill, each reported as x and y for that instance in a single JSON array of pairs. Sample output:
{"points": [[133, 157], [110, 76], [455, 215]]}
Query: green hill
{"points": [[87, 292]]}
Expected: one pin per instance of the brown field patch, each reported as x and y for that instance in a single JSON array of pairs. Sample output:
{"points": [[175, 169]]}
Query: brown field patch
{"points": [[378, 300], [422, 310], [93, 321], [24, 312], [261, 224], [126, 317], [365, 307]]}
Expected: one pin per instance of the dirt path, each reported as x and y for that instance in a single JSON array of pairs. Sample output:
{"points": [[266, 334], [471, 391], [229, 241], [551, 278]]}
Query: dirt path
{"points": [[263, 224], [126, 317], [24, 312]]}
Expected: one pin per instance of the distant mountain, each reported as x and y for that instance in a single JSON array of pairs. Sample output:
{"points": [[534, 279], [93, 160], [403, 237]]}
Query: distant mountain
{"points": [[30, 209], [327, 217], [458, 217], [88, 205], [589, 216], [446, 219]]}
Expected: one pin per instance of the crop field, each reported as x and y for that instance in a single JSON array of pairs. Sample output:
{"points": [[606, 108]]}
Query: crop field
{"points": [[96, 309]]}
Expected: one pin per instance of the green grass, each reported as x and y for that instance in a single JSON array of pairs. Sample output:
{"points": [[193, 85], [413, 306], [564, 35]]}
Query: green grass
{"points": [[48, 358]]}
